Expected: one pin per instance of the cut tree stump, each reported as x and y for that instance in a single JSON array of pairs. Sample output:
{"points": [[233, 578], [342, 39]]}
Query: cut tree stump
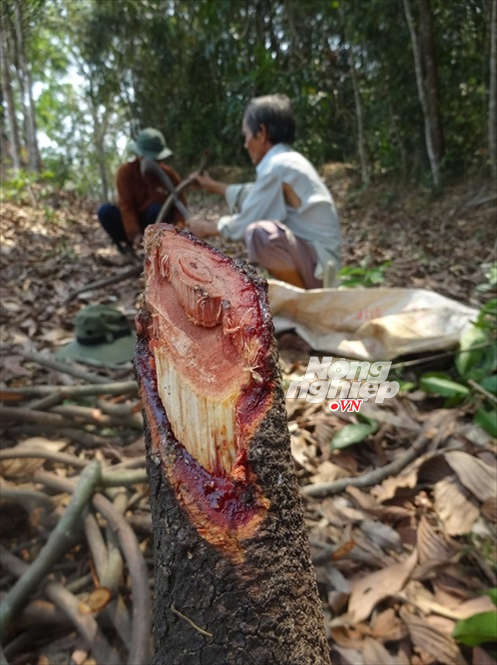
{"points": [[234, 583]]}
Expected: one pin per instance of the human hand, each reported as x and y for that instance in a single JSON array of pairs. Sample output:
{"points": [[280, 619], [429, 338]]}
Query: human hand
{"points": [[137, 240], [201, 228], [202, 179]]}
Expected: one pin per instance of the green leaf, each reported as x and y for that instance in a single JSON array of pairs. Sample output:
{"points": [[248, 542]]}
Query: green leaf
{"points": [[468, 360], [476, 629], [487, 420], [489, 383], [492, 594], [440, 385], [351, 434]]}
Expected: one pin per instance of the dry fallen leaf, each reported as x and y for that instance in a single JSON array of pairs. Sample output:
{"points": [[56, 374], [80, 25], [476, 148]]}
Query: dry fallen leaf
{"points": [[480, 478], [374, 653], [431, 546], [387, 627], [368, 591], [426, 637], [457, 512], [95, 601]]}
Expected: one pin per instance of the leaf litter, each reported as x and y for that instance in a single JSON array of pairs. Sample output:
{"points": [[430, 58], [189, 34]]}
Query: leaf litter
{"points": [[398, 561]]}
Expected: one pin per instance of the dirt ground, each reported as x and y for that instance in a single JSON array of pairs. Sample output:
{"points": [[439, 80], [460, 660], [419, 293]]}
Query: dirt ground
{"points": [[399, 559]]}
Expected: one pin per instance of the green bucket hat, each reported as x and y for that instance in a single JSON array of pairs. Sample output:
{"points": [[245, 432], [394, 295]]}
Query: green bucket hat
{"points": [[150, 143], [103, 337]]}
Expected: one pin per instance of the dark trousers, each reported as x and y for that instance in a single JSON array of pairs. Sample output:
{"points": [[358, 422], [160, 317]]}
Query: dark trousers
{"points": [[110, 218]]}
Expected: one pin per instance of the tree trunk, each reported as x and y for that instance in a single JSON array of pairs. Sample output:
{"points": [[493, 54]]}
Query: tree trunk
{"points": [[26, 85], [434, 163], [233, 578], [428, 52], [492, 97], [360, 123], [7, 92]]}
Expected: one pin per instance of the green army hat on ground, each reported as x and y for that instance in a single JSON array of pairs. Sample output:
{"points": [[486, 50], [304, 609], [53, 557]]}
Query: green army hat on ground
{"points": [[103, 337], [150, 143]]}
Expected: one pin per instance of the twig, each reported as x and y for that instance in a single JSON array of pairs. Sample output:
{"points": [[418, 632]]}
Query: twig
{"points": [[378, 475], [69, 604], [16, 414], [96, 545], [56, 545], [437, 356], [141, 629], [482, 390], [122, 410], [45, 403], [27, 498], [96, 417], [131, 272], [69, 392], [65, 368], [172, 198], [41, 453], [118, 479], [81, 436], [192, 624]]}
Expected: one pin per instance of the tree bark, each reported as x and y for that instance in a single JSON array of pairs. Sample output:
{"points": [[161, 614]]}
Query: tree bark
{"points": [[492, 97], [233, 577], [360, 123], [431, 80], [7, 92], [430, 148], [26, 87]]}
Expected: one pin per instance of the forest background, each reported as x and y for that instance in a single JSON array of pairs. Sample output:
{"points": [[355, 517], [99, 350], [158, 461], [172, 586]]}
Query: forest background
{"points": [[405, 89]]}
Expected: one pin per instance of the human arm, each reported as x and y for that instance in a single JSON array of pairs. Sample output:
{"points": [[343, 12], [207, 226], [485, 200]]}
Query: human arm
{"points": [[201, 228], [204, 181]]}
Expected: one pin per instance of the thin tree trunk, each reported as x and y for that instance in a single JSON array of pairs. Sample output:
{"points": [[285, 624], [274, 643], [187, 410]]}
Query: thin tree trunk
{"points": [[434, 164], [234, 583], [98, 141], [492, 98], [427, 50], [360, 123], [25, 83], [7, 92]]}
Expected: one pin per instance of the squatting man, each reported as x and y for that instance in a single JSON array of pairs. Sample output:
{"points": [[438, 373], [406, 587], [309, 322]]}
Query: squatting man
{"points": [[287, 217]]}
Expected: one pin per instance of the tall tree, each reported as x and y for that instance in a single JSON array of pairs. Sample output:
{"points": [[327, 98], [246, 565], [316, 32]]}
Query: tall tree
{"points": [[427, 48], [423, 99], [26, 89], [8, 95], [492, 97]]}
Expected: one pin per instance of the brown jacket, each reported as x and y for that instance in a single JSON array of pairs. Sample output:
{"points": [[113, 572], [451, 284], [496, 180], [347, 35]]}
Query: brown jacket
{"points": [[135, 193]]}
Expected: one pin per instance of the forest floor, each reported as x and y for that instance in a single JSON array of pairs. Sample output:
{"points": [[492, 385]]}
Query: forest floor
{"points": [[399, 559]]}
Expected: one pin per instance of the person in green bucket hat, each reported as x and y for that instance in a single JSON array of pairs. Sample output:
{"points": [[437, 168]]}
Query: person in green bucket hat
{"points": [[104, 336], [140, 196]]}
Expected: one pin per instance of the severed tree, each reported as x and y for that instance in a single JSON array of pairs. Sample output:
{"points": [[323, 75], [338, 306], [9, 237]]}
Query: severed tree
{"points": [[234, 583]]}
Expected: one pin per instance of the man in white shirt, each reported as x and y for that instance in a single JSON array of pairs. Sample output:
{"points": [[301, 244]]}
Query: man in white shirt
{"points": [[287, 217]]}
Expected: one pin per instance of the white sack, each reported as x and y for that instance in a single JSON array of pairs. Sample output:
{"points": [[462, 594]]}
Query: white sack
{"points": [[369, 324]]}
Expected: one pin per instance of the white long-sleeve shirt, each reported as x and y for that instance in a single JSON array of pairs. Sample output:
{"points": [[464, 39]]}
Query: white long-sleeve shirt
{"points": [[314, 220]]}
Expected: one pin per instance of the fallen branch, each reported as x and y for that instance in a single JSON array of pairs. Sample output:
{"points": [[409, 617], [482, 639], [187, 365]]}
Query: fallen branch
{"points": [[14, 414], [64, 368], [376, 476], [70, 606], [58, 542], [480, 389], [96, 417], [79, 435], [115, 279], [71, 392], [41, 453], [141, 627]]}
